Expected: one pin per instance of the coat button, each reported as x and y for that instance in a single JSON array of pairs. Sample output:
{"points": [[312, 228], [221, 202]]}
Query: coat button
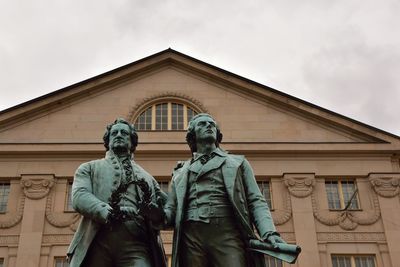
{"points": [[115, 182], [116, 167]]}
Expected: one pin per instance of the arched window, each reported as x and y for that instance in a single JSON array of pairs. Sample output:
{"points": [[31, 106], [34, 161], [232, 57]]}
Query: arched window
{"points": [[165, 116]]}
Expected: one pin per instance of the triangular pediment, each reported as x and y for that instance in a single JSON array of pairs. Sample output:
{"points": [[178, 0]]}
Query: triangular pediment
{"points": [[246, 111]]}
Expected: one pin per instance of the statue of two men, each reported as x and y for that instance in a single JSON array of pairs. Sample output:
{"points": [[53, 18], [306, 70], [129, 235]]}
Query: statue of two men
{"points": [[213, 204]]}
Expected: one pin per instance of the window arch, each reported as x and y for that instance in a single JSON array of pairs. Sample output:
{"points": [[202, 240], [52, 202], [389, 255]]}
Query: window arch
{"points": [[165, 116]]}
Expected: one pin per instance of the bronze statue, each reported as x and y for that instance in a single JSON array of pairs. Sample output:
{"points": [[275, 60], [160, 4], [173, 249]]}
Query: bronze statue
{"points": [[117, 199], [213, 204]]}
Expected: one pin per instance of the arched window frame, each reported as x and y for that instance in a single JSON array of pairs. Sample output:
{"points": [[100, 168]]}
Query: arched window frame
{"points": [[169, 100]]}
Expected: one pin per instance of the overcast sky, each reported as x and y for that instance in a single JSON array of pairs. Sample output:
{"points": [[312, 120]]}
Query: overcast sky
{"points": [[343, 55]]}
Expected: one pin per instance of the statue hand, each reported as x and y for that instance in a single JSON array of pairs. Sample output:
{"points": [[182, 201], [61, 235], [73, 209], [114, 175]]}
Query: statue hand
{"points": [[128, 213], [152, 212], [105, 213], [274, 239]]}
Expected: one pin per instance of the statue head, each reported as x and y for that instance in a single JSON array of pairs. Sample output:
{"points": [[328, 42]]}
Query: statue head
{"points": [[204, 127], [120, 136]]}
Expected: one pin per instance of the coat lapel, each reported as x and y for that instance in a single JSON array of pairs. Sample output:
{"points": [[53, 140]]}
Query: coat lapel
{"points": [[229, 172], [181, 181]]}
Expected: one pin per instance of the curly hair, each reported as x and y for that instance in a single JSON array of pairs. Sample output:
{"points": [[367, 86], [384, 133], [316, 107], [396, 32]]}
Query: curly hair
{"points": [[132, 133], [191, 135]]}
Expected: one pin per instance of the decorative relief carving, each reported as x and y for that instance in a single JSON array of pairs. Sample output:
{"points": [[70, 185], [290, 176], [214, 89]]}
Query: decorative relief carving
{"points": [[9, 239], [167, 236], [61, 219], [385, 184], [347, 219], [283, 216], [299, 185], [167, 96], [12, 218], [37, 186], [351, 237], [57, 239]]}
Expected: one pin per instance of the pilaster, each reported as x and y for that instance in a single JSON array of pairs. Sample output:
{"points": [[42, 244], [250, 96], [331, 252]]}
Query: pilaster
{"points": [[387, 186], [300, 186], [35, 188]]}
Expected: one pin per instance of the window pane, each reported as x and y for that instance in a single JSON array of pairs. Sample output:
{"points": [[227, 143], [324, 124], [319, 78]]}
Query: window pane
{"points": [[68, 204], [348, 188], [265, 191], [4, 192], [190, 114], [177, 116], [162, 116], [1, 262], [144, 120], [332, 192], [364, 261], [345, 261], [61, 262]]}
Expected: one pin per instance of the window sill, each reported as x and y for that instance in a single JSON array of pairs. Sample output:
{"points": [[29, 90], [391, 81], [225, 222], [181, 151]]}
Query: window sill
{"points": [[69, 211], [347, 210]]}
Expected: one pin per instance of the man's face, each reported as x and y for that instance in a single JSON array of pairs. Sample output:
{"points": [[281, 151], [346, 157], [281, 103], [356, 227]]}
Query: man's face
{"points": [[205, 129], [120, 139]]}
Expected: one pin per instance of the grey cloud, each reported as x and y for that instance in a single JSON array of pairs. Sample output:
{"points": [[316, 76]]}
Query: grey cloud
{"points": [[359, 79], [296, 47]]}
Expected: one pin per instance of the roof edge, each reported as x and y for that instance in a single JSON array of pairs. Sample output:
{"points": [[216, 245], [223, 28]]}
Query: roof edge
{"points": [[170, 50]]}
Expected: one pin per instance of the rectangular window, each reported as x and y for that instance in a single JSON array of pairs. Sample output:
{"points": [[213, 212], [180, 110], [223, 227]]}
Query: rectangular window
{"points": [[265, 191], [272, 262], [339, 193], [4, 192], [353, 261], [1, 262], [68, 198], [61, 262]]}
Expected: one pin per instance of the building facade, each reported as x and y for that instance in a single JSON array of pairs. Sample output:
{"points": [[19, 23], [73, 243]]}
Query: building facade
{"points": [[332, 183]]}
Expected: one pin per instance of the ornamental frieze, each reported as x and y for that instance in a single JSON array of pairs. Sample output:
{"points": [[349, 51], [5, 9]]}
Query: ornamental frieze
{"points": [[282, 216], [346, 219], [12, 218], [37, 186], [61, 219], [352, 237], [385, 184]]}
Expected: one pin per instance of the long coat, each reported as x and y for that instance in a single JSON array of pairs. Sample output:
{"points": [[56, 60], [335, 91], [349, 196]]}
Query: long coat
{"points": [[249, 206], [93, 185]]}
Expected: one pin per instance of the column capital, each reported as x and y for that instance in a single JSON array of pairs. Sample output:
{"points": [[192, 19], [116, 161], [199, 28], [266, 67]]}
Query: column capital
{"points": [[299, 184], [37, 186], [385, 184]]}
